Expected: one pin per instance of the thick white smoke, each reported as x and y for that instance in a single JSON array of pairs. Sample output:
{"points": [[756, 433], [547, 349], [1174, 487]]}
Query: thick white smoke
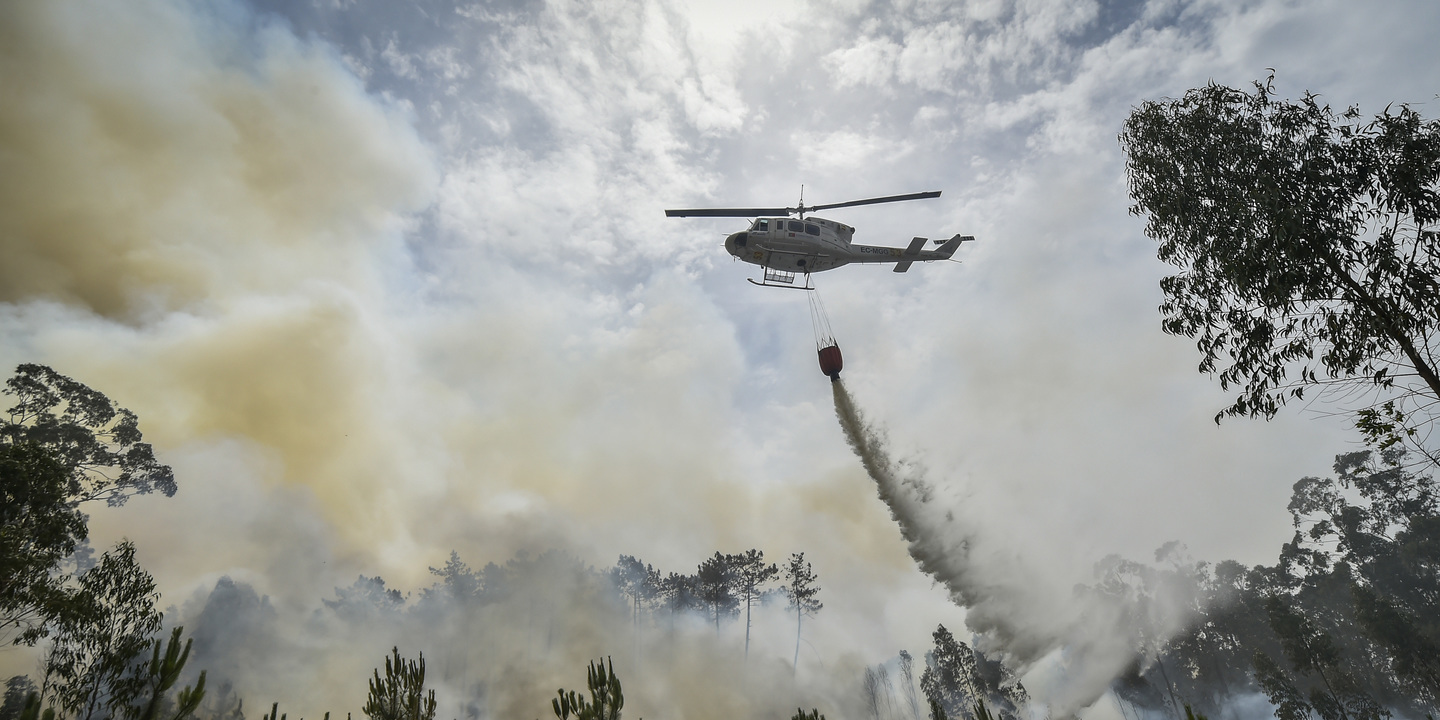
{"points": [[1089, 638]]}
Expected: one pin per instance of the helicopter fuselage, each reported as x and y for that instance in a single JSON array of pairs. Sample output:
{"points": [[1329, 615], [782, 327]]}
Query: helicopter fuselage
{"points": [[814, 244]]}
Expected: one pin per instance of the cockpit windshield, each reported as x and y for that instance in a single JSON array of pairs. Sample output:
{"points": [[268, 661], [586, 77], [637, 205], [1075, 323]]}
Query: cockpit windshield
{"points": [[761, 226]]}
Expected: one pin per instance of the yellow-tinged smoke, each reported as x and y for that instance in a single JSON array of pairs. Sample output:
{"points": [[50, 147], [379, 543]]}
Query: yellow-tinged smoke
{"points": [[155, 158], [225, 196]]}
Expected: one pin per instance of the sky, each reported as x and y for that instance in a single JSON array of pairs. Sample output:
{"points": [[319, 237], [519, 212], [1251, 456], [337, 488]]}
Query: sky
{"points": [[389, 279]]}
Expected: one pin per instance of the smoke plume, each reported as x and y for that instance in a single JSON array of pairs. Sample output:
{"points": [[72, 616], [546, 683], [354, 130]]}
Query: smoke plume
{"points": [[1073, 646]]}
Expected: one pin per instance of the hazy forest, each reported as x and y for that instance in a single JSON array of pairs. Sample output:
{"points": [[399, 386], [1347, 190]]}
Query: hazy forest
{"points": [[1308, 262]]}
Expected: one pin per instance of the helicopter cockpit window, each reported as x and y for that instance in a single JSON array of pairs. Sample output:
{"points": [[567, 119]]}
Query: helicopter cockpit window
{"points": [[812, 229], [797, 226]]}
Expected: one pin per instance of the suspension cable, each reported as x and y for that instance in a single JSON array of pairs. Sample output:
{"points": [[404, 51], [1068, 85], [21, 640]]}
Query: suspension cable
{"points": [[820, 321]]}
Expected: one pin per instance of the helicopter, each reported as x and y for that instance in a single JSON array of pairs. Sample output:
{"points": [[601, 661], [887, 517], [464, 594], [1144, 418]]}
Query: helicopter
{"points": [[786, 246]]}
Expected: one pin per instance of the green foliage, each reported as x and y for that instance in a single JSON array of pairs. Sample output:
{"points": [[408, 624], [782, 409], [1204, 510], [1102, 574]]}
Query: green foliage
{"points": [[161, 674], [1344, 625], [401, 694], [1373, 541], [1277, 685], [97, 442], [957, 678], [39, 527], [1306, 246], [814, 714], [32, 709], [715, 583], [606, 698], [95, 641], [460, 584], [365, 600], [982, 712], [937, 711], [1337, 695], [637, 581], [18, 690]]}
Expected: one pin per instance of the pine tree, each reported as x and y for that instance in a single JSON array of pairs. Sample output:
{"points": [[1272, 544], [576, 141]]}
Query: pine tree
{"points": [[716, 583], [751, 574], [401, 694], [606, 697], [800, 589]]}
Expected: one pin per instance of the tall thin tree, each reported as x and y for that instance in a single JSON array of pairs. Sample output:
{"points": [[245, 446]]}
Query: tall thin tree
{"points": [[751, 575], [800, 589]]}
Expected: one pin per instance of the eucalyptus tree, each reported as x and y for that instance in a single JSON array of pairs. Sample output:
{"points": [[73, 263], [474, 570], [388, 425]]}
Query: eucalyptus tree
{"points": [[39, 527], [98, 442], [62, 444], [89, 665], [1307, 248]]}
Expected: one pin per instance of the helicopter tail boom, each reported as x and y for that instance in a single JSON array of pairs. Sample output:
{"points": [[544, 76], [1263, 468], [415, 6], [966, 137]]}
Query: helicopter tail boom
{"points": [[953, 244]]}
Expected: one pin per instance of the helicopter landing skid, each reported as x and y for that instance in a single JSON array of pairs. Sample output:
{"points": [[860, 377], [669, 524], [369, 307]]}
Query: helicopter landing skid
{"points": [[783, 280]]}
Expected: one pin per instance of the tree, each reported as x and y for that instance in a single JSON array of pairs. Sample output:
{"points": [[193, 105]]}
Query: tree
{"points": [[1310, 650], [461, 585], [947, 679], [365, 599], [751, 574], [637, 581], [957, 677], [98, 442], [401, 694], [679, 593], [18, 690], [1307, 248], [161, 674], [95, 642], [871, 688], [907, 671], [1372, 538], [606, 697], [715, 585], [800, 589], [61, 444], [39, 527]]}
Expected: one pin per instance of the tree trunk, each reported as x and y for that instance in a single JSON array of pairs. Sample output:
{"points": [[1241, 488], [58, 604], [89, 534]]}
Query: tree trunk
{"points": [[747, 627], [799, 616]]}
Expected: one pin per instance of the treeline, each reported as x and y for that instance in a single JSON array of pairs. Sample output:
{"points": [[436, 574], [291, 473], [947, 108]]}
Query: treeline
{"points": [[721, 588], [1344, 626], [63, 444]]}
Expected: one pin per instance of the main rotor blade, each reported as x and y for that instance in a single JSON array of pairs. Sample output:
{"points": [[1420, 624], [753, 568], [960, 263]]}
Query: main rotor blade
{"points": [[729, 212], [874, 201]]}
